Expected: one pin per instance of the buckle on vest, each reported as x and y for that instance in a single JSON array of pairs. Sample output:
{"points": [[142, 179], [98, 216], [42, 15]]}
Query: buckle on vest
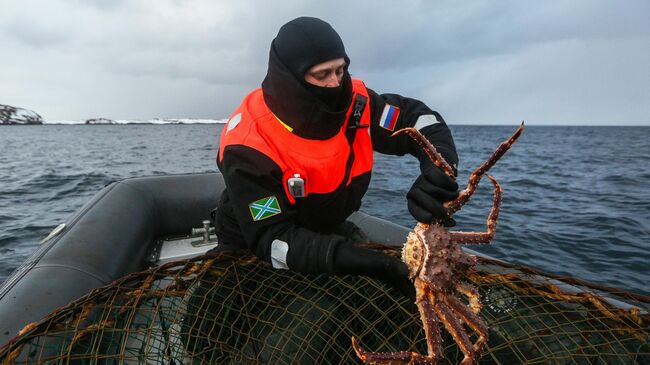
{"points": [[296, 185], [355, 117], [355, 126]]}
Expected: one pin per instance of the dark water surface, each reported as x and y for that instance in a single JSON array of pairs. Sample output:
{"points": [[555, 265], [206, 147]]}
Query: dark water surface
{"points": [[576, 199]]}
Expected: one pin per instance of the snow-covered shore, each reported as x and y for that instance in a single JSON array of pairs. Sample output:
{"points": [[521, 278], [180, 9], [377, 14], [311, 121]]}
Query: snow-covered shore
{"points": [[15, 115], [104, 121]]}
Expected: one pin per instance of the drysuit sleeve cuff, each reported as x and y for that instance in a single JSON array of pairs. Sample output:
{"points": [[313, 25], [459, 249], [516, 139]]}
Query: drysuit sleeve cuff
{"points": [[307, 252]]}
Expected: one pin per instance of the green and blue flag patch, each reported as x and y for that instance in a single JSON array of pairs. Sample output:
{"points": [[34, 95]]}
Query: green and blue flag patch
{"points": [[264, 208]]}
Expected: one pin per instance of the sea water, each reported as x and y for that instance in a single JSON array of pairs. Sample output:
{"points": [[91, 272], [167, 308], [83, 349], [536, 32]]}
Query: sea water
{"points": [[576, 200]]}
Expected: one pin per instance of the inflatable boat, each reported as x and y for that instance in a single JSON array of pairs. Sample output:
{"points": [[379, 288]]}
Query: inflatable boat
{"points": [[128, 226], [125, 280]]}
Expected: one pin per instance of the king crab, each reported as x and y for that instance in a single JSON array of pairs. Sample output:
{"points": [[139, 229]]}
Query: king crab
{"points": [[435, 261]]}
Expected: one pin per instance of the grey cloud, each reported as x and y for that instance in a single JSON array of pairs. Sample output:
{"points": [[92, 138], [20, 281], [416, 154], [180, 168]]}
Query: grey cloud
{"points": [[108, 5], [208, 67], [475, 61], [584, 83], [35, 34], [423, 34]]}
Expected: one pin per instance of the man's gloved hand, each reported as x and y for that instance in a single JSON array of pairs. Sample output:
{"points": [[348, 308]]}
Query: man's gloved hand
{"points": [[430, 190], [349, 259], [351, 232]]}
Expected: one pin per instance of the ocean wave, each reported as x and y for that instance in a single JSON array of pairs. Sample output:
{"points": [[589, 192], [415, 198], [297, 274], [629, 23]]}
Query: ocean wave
{"points": [[52, 180]]}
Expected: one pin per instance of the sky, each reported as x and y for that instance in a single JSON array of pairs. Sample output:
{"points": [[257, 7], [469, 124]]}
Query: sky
{"points": [[476, 62]]}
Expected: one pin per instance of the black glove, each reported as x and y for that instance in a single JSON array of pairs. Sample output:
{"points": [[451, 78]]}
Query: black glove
{"points": [[352, 233], [430, 190], [353, 260]]}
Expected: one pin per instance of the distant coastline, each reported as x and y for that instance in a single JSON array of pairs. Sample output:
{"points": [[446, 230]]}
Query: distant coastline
{"points": [[166, 121], [191, 121], [12, 115]]}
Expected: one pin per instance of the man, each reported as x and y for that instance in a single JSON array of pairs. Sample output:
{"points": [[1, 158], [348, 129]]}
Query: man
{"points": [[296, 157]]}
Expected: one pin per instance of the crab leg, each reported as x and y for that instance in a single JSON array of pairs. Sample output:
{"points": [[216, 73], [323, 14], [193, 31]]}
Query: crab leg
{"points": [[428, 148], [472, 295], [455, 328], [435, 157], [455, 205], [473, 238], [431, 331], [471, 319], [368, 357], [430, 321]]}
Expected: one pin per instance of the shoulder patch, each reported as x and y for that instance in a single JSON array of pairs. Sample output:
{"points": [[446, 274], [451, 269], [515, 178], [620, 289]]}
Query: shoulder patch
{"points": [[425, 121], [232, 123], [264, 208], [389, 117]]}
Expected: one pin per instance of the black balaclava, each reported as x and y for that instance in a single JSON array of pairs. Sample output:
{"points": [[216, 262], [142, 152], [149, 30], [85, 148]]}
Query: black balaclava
{"points": [[313, 112]]}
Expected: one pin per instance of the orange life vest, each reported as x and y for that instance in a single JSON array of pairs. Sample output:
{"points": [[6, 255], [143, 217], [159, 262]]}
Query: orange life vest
{"points": [[322, 164]]}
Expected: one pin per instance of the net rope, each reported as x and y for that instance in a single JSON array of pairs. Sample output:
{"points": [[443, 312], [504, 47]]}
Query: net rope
{"points": [[231, 308]]}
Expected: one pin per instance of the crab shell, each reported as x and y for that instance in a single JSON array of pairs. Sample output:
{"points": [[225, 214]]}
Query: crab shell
{"points": [[432, 257], [413, 254]]}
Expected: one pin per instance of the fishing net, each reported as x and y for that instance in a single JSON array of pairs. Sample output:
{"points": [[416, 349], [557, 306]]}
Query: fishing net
{"points": [[230, 308]]}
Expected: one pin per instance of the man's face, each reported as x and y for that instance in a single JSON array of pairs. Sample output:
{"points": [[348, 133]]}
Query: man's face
{"points": [[326, 74]]}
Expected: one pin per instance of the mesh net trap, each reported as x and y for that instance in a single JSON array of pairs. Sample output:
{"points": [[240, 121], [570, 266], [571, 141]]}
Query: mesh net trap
{"points": [[231, 308]]}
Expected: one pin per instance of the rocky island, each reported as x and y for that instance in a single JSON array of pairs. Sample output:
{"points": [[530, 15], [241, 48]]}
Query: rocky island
{"points": [[14, 115]]}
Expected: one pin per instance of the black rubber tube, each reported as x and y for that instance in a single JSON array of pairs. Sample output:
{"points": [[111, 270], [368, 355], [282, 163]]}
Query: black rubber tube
{"points": [[107, 238]]}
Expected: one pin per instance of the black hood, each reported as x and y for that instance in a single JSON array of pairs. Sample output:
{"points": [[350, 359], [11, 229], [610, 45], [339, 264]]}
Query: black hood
{"points": [[311, 111]]}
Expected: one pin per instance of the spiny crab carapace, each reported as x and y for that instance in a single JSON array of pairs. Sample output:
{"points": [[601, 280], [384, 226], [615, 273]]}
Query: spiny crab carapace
{"points": [[436, 263]]}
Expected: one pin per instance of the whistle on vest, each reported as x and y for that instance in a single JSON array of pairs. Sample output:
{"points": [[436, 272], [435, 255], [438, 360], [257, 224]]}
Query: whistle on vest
{"points": [[296, 186]]}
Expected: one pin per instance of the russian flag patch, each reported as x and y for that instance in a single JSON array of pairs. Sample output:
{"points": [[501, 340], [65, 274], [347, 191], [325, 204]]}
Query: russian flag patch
{"points": [[389, 117]]}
